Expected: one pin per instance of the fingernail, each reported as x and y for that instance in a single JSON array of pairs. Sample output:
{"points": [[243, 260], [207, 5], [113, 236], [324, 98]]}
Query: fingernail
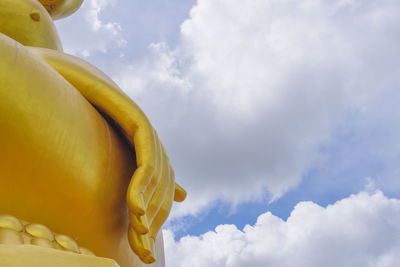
{"points": [[148, 259]]}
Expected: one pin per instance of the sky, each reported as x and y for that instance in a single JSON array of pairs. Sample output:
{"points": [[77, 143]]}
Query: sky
{"points": [[280, 117]]}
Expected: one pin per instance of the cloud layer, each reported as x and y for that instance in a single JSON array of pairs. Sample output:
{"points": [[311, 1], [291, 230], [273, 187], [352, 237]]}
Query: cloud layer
{"points": [[359, 231], [253, 95], [85, 33], [254, 88]]}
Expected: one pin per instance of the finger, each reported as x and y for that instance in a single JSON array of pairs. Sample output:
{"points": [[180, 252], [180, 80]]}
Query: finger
{"points": [[160, 193], [150, 258], [163, 212], [180, 193], [139, 223], [140, 244], [157, 173], [146, 161]]}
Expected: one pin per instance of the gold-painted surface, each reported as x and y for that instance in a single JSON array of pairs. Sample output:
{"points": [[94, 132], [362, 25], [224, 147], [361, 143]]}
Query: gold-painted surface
{"points": [[36, 234], [38, 256], [152, 188], [61, 8], [77, 154], [10, 237], [28, 22], [10, 222], [25, 236], [67, 243], [86, 251], [39, 230], [42, 243], [61, 163]]}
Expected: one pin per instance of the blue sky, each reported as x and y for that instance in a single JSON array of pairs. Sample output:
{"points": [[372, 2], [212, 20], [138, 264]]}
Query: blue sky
{"points": [[280, 117]]}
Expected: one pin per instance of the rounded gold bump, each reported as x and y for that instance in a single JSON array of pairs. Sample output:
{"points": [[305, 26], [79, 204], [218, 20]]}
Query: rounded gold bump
{"points": [[42, 242], [39, 230], [148, 259], [67, 243], [10, 237], [10, 222], [86, 251], [35, 15]]}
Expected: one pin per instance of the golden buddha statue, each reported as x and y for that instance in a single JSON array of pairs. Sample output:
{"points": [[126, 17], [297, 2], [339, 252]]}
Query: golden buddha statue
{"points": [[79, 161]]}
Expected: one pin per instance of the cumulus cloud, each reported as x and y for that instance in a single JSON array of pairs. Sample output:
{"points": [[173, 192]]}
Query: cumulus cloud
{"points": [[254, 88], [84, 32], [359, 231], [243, 104]]}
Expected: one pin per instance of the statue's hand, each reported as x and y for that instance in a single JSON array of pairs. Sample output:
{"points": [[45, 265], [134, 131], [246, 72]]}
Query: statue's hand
{"points": [[152, 187], [150, 193]]}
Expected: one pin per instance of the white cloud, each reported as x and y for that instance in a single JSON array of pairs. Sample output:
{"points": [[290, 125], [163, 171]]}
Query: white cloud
{"points": [[85, 32], [243, 104], [359, 231], [254, 88]]}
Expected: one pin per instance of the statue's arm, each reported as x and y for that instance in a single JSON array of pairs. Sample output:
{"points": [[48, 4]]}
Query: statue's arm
{"points": [[152, 187]]}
